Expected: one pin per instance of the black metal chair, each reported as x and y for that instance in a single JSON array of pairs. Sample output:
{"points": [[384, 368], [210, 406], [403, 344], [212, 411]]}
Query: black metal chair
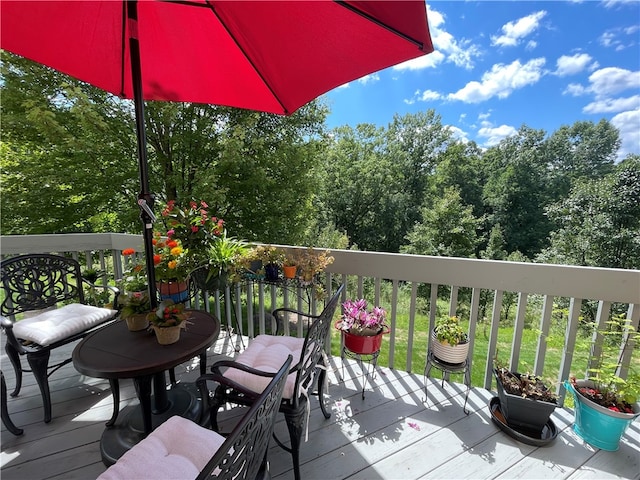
{"points": [[180, 448], [34, 286], [241, 382], [5, 413]]}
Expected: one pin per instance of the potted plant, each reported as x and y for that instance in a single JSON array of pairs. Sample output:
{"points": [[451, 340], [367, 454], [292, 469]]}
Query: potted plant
{"points": [[525, 401], [606, 404], [449, 341], [136, 307], [194, 227], [223, 254], [310, 262], [167, 321], [361, 328], [172, 268], [272, 259], [290, 265]]}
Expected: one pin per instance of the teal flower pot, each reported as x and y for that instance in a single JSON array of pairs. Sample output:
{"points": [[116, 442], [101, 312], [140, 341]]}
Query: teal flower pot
{"points": [[597, 425]]}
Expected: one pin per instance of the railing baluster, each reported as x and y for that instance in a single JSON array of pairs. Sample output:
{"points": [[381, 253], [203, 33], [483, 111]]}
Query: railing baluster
{"points": [[545, 325], [518, 327]]}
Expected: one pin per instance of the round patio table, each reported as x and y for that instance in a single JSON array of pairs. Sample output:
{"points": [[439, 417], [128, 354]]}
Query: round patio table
{"points": [[114, 352]]}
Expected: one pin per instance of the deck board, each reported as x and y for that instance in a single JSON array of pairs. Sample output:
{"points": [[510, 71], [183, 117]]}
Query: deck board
{"points": [[391, 433]]}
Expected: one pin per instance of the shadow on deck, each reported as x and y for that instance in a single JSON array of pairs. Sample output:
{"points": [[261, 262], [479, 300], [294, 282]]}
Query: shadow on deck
{"points": [[391, 433]]}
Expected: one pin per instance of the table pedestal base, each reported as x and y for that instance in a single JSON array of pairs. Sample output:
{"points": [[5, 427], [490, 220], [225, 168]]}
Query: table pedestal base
{"points": [[184, 401]]}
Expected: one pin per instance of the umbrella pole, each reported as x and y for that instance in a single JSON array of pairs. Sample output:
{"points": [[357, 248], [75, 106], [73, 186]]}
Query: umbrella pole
{"points": [[145, 198]]}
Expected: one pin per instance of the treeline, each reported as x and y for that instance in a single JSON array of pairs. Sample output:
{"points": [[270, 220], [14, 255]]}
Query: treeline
{"points": [[69, 164]]}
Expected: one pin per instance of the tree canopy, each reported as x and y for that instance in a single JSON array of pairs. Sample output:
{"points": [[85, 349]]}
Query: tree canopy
{"points": [[69, 164]]}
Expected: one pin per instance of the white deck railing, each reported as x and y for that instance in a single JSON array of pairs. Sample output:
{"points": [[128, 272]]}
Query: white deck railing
{"points": [[541, 284]]}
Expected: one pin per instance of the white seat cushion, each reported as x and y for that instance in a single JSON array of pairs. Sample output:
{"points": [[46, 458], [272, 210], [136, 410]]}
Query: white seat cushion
{"points": [[267, 353], [178, 449], [54, 325]]}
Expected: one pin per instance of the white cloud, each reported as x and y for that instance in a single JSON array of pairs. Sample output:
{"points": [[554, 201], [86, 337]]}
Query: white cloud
{"points": [[570, 65], [434, 59], [612, 80], [426, 96], [513, 32], [371, 78], [458, 133], [493, 134], [613, 105], [501, 81], [615, 3], [605, 82], [614, 38], [631, 30], [446, 47], [628, 123], [430, 95], [575, 89]]}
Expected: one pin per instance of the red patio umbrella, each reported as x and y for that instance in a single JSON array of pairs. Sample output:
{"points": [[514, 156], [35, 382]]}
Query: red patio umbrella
{"points": [[271, 56]]}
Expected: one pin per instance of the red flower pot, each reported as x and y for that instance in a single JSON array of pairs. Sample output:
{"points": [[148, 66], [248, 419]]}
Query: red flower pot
{"points": [[363, 344]]}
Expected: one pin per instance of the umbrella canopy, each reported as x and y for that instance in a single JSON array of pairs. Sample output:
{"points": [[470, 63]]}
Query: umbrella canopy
{"points": [[271, 56]]}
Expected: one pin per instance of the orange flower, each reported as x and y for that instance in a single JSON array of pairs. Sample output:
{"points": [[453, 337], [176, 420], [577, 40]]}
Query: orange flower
{"points": [[128, 251], [172, 264], [172, 244], [157, 259]]}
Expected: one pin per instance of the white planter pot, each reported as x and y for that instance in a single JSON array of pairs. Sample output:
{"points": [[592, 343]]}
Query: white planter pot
{"points": [[449, 353]]}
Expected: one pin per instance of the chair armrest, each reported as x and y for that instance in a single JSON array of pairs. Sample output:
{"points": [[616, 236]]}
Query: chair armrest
{"points": [[7, 326], [115, 291]]}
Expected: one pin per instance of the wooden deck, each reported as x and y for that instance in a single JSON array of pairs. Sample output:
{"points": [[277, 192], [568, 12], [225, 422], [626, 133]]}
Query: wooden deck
{"points": [[391, 434]]}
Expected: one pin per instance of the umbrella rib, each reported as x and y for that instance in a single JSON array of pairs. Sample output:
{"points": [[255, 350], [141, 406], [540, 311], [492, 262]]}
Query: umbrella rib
{"points": [[209, 6], [395, 31]]}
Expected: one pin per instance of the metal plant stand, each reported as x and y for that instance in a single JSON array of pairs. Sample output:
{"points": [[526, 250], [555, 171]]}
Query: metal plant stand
{"points": [[447, 369], [370, 358]]}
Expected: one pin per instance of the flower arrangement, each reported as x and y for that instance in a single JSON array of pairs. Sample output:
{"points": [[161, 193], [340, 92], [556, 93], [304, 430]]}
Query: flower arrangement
{"points": [[168, 314], [135, 303], [170, 259], [448, 330], [357, 320], [193, 227]]}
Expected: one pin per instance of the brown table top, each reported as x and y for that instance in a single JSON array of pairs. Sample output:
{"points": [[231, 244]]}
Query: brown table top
{"points": [[115, 352]]}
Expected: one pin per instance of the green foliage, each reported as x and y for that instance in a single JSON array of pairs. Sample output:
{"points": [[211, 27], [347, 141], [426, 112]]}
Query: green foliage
{"points": [[68, 161], [447, 228], [449, 330], [606, 359], [599, 223]]}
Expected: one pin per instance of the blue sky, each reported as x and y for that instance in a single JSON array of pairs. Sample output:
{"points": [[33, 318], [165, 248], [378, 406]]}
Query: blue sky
{"points": [[498, 65]]}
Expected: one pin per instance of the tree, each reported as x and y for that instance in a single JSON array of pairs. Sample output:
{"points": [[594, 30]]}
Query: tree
{"points": [[363, 188], [70, 163], [416, 143], [599, 224], [516, 191], [447, 229], [68, 160], [581, 151]]}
